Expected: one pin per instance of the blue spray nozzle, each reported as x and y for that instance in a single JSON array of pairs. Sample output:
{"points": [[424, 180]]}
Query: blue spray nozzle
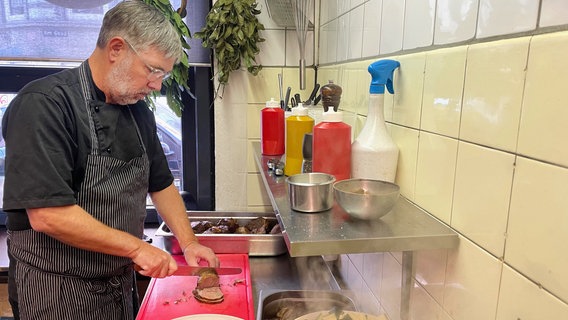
{"points": [[381, 75]]}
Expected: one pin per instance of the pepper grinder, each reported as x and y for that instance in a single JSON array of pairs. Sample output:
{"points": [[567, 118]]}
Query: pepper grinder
{"points": [[331, 96]]}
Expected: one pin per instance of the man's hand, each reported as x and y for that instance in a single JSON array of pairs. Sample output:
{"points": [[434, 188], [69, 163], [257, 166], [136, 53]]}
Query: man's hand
{"points": [[153, 262], [195, 252]]}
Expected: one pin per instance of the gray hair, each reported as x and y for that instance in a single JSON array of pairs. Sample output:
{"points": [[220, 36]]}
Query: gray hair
{"points": [[143, 26]]}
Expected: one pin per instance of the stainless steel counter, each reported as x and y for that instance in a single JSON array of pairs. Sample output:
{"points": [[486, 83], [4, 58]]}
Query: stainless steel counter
{"points": [[406, 228]]}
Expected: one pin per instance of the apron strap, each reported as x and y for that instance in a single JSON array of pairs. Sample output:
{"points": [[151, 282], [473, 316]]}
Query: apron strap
{"points": [[85, 88]]}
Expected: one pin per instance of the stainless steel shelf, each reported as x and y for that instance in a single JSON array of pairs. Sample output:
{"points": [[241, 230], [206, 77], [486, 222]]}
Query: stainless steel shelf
{"points": [[405, 228]]}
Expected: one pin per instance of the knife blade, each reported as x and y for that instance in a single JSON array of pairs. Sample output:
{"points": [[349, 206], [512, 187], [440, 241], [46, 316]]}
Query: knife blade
{"points": [[195, 271]]}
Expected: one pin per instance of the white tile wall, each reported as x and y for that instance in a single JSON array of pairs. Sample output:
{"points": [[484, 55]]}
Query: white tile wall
{"points": [[537, 224], [498, 17], [343, 37], [435, 171], [371, 27], [392, 26], [553, 13], [329, 42], [492, 97], [419, 23], [443, 91], [431, 272], [520, 298], [472, 283], [482, 195], [456, 21], [480, 121], [355, 29], [544, 106], [408, 107]]}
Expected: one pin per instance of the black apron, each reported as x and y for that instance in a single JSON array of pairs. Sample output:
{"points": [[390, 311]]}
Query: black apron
{"points": [[58, 281]]}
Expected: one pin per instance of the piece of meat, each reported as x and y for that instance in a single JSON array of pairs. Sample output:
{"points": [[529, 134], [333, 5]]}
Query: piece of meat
{"points": [[208, 278], [208, 289], [200, 226], [275, 229], [242, 230], [217, 230], [258, 226], [230, 223]]}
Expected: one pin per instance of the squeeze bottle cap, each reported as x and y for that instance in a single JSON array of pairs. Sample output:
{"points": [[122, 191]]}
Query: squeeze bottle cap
{"points": [[381, 74], [272, 103], [332, 116], [300, 110]]}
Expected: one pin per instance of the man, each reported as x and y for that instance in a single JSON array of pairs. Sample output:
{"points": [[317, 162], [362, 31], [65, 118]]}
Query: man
{"points": [[82, 155]]}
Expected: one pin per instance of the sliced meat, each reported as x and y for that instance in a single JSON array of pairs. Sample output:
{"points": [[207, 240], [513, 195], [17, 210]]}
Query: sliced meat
{"points": [[209, 295], [208, 289]]}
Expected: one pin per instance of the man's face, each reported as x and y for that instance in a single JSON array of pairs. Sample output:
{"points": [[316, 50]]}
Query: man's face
{"points": [[136, 75]]}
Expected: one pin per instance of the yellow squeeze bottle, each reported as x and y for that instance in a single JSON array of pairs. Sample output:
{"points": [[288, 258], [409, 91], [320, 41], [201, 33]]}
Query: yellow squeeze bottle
{"points": [[297, 125]]}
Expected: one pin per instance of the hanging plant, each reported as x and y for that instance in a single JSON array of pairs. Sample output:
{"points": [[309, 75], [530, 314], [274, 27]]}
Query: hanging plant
{"points": [[232, 31], [177, 82]]}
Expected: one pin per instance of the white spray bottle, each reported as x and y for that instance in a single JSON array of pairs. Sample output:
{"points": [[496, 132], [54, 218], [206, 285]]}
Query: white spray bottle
{"points": [[374, 155]]}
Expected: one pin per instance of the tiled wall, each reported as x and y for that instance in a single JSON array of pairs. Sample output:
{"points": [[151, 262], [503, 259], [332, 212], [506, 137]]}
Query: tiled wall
{"points": [[480, 116]]}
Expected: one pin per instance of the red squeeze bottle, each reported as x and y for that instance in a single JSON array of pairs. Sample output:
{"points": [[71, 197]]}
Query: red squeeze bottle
{"points": [[332, 138], [332, 146], [272, 129]]}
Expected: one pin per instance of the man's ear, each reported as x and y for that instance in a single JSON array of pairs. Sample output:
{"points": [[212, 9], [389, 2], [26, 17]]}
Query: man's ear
{"points": [[116, 47]]}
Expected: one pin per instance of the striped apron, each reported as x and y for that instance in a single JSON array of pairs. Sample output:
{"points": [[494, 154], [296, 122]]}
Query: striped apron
{"points": [[58, 281]]}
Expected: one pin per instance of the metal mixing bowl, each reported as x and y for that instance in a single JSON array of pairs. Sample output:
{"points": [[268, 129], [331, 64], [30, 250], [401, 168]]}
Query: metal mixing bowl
{"points": [[310, 192], [366, 199]]}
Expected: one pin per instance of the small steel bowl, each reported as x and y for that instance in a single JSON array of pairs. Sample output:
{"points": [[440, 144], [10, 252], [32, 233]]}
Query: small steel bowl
{"points": [[366, 199], [310, 192]]}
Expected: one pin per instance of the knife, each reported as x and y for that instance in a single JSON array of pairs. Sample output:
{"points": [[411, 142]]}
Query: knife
{"points": [[196, 271], [287, 98]]}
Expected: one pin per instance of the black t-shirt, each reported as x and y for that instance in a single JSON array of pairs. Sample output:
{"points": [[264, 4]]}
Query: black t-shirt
{"points": [[47, 136]]}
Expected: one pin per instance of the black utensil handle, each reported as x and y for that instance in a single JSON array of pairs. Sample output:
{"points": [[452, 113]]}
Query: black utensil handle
{"points": [[317, 99], [314, 92]]}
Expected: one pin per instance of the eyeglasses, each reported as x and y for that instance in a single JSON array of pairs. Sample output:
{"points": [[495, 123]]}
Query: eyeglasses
{"points": [[155, 73]]}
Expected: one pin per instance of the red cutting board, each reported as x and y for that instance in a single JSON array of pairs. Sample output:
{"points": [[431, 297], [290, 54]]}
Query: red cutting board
{"points": [[171, 297]]}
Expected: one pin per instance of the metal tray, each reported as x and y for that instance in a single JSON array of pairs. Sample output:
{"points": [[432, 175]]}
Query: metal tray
{"points": [[300, 301], [251, 244]]}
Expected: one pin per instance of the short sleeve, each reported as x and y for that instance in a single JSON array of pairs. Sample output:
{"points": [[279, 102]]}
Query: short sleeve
{"points": [[39, 153]]}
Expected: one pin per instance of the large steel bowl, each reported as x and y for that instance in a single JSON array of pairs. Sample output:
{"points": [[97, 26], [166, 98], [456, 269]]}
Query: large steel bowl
{"points": [[310, 192], [335, 314], [366, 199]]}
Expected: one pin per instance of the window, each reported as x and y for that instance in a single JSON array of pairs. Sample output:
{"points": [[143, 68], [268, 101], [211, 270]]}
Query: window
{"points": [[169, 133], [40, 37]]}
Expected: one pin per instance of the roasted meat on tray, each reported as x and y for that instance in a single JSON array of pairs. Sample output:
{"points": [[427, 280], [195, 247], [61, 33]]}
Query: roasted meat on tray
{"points": [[231, 225]]}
